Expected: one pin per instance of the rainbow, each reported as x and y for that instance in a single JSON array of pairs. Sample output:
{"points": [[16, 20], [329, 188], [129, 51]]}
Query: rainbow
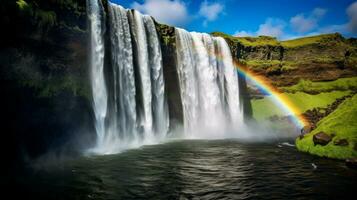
{"points": [[279, 99]]}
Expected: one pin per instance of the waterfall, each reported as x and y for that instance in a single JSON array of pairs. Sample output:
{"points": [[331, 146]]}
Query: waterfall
{"points": [[99, 89], [208, 84], [129, 99]]}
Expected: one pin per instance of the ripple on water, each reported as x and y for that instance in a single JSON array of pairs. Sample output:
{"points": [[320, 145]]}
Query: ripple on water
{"points": [[224, 169]]}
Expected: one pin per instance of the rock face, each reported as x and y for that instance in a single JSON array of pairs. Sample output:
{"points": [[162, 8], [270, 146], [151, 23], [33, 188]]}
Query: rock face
{"points": [[319, 58], [351, 163], [321, 138], [44, 80], [341, 142], [168, 47], [306, 129]]}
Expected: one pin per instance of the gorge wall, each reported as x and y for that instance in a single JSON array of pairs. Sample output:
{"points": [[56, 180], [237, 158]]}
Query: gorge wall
{"points": [[316, 58], [46, 96]]}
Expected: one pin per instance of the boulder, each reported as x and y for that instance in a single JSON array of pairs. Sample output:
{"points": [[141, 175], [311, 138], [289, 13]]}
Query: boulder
{"points": [[351, 163], [321, 138], [341, 142]]}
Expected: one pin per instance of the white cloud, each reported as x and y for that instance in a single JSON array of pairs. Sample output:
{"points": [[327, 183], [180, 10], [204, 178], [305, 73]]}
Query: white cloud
{"points": [[272, 27], [352, 14], [243, 33], [318, 13], [342, 28], [302, 23], [348, 28], [210, 11], [172, 12]]}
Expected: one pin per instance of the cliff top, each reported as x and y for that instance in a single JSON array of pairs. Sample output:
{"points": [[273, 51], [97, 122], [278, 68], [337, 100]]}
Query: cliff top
{"points": [[294, 43]]}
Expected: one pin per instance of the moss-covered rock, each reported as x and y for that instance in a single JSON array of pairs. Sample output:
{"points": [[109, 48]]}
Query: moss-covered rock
{"points": [[341, 124], [317, 58], [168, 46], [44, 77]]}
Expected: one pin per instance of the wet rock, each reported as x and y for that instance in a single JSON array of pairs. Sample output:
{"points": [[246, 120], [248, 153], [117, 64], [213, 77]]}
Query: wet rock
{"points": [[351, 163], [341, 142], [321, 138], [306, 129]]}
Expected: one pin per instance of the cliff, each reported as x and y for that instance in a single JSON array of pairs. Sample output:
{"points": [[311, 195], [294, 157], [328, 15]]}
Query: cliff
{"points": [[316, 58], [45, 89]]}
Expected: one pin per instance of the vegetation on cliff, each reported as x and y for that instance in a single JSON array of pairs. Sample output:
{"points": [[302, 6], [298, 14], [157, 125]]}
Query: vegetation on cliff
{"points": [[317, 58], [342, 84], [301, 100], [44, 76], [340, 125]]}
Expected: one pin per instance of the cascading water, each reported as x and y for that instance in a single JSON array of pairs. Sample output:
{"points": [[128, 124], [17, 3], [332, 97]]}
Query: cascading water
{"points": [[129, 98], [99, 89], [208, 85], [132, 109]]}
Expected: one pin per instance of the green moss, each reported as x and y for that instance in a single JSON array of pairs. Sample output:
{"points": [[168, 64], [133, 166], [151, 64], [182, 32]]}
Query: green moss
{"points": [[265, 108], [250, 41], [283, 66], [258, 41], [22, 4], [45, 18], [52, 87], [261, 64], [342, 123], [342, 84], [312, 40], [167, 34], [288, 66]]}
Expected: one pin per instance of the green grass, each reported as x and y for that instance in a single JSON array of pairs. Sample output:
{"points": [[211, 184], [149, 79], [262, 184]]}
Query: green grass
{"points": [[342, 84], [22, 4], [311, 40], [272, 41], [250, 41], [52, 87], [284, 66], [262, 64], [265, 108], [342, 123], [258, 41]]}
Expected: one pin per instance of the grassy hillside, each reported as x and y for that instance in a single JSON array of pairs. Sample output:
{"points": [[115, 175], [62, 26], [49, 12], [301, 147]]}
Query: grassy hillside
{"points": [[324, 57], [265, 108], [317, 39], [307, 86], [342, 123]]}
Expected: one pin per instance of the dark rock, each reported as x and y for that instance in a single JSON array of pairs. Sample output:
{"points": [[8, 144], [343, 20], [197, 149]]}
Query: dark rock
{"points": [[306, 129], [341, 142], [321, 138], [351, 163]]}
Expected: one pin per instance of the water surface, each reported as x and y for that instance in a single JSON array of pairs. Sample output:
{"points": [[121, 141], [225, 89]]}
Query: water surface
{"points": [[196, 169]]}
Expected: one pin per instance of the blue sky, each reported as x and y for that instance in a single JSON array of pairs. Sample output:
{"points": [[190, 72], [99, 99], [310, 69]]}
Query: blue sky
{"points": [[284, 19]]}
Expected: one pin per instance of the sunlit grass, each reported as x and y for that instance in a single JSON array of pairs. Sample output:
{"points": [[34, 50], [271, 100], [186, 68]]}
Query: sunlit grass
{"points": [[341, 84], [342, 123], [310, 40], [265, 108]]}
